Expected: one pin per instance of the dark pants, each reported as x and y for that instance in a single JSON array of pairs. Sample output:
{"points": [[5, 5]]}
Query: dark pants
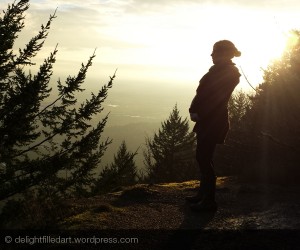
{"points": [[204, 156]]}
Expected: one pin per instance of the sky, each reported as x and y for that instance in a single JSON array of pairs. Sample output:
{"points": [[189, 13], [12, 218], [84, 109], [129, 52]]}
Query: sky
{"points": [[162, 40], [159, 45]]}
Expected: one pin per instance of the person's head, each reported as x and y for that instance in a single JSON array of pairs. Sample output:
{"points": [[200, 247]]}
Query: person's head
{"points": [[223, 51]]}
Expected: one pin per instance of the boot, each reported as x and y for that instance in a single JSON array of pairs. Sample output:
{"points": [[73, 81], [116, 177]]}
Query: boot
{"points": [[199, 196], [208, 202]]}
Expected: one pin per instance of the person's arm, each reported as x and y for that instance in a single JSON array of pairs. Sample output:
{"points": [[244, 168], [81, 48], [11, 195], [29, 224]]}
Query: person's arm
{"points": [[194, 107], [215, 94]]}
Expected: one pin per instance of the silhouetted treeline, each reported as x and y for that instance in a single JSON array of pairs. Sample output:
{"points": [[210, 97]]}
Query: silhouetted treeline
{"points": [[264, 142], [169, 155], [122, 172]]}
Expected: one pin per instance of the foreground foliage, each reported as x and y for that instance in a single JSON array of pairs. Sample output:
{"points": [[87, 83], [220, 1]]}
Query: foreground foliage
{"points": [[47, 141]]}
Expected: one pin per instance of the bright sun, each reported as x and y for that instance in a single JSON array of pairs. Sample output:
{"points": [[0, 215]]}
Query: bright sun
{"points": [[270, 47], [258, 53], [274, 48]]}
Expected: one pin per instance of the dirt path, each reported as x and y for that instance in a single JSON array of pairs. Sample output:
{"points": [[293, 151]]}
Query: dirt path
{"points": [[161, 210]]}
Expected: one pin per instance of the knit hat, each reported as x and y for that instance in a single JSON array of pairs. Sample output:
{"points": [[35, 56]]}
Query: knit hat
{"points": [[227, 46]]}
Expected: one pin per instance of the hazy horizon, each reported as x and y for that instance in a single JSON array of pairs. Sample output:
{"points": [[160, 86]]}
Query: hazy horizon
{"points": [[160, 48]]}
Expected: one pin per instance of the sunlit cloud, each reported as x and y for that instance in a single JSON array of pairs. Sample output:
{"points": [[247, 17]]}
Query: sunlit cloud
{"points": [[113, 105]]}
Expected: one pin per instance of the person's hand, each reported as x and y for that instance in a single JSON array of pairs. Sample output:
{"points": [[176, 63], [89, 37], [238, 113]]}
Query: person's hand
{"points": [[194, 117]]}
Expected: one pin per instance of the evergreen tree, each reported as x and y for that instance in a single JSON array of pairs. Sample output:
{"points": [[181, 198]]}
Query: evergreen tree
{"points": [[238, 105], [273, 122], [47, 142], [231, 156], [169, 155], [122, 172]]}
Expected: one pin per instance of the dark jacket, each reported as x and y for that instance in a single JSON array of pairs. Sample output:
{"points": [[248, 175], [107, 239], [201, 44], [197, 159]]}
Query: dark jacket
{"points": [[211, 100]]}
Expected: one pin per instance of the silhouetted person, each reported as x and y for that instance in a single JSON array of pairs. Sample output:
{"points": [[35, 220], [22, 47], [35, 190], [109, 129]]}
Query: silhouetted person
{"points": [[209, 110]]}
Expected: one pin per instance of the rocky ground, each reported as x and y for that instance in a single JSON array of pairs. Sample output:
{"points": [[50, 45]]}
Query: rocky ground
{"points": [[250, 216]]}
